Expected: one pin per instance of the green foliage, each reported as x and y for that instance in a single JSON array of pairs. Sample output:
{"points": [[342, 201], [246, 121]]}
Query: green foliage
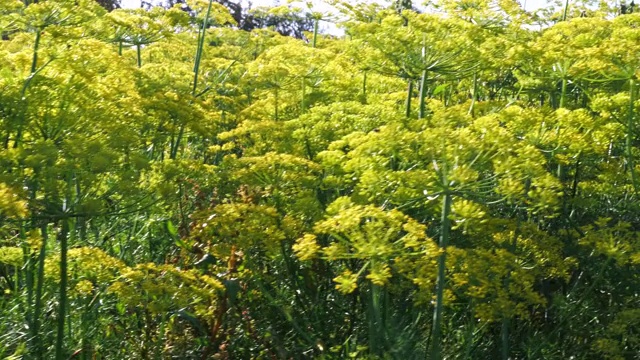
{"points": [[174, 187]]}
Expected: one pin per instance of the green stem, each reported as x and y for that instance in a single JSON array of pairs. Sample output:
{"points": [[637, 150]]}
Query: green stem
{"points": [[138, 51], [563, 99], [34, 65], [376, 320], [566, 9], [36, 45], [506, 320], [199, 50], [630, 131], [176, 145], [39, 285], [196, 70], [364, 87], [28, 272], [504, 338], [474, 94], [423, 94], [408, 102], [63, 236], [436, 348], [302, 101], [563, 94], [276, 104], [315, 31]]}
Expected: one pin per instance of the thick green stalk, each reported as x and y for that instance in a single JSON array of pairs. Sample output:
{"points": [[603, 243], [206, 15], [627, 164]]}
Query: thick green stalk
{"points": [[39, 285], [566, 9], [423, 83], [436, 347], [408, 102], [174, 149], [30, 260], [506, 320], [423, 94], [315, 31], [376, 320], [139, 53], [63, 237], [36, 45], [630, 131], [28, 272], [563, 94], [563, 97], [504, 338]]}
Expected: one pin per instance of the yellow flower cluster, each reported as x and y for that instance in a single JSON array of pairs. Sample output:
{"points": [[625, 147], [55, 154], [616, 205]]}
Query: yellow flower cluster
{"points": [[11, 205], [163, 287], [11, 255], [382, 239]]}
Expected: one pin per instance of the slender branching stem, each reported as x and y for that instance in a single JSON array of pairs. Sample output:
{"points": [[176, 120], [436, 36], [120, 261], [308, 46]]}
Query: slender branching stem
{"points": [[445, 227], [139, 54], [408, 102], [302, 100], [563, 94], [423, 94], [36, 45], [38, 300], [506, 320], [200, 48], [629, 137], [315, 31], [63, 237]]}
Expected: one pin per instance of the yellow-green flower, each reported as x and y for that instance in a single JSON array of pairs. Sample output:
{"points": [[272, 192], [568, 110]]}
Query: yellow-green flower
{"points": [[306, 247], [347, 282]]}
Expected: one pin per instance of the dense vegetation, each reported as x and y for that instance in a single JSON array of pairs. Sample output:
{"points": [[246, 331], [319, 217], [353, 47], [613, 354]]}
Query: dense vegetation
{"points": [[453, 184]]}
